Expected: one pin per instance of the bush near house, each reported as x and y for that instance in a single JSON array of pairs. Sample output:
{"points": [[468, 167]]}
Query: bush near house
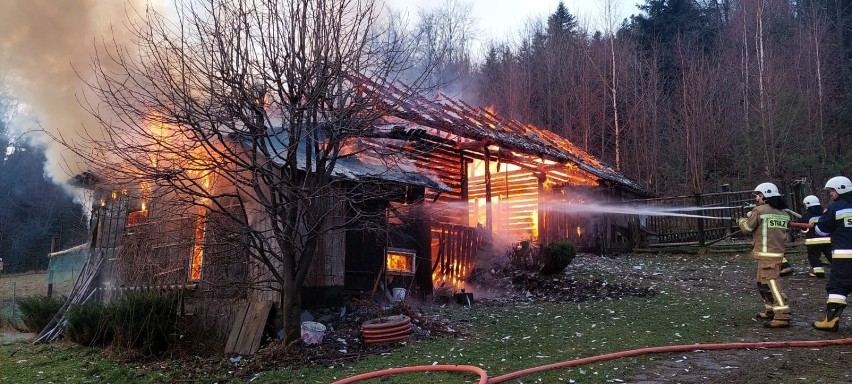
{"points": [[37, 311], [89, 325], [556, 256], [144, 321]]}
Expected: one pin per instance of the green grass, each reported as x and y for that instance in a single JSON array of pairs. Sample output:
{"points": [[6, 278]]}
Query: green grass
{"points": [[508, 339], [511, 339], [59, 362], [497, 339]]}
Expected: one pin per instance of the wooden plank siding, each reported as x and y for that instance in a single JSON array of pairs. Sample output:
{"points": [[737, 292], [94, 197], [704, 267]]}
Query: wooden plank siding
{"points": [[328, 268]]}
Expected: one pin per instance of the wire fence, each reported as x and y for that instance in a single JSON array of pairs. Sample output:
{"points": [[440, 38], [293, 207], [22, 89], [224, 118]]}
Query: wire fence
{"points": [[15, 287]]}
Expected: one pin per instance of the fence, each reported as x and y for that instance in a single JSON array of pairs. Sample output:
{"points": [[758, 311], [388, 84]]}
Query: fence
{"points": [[726, 207], [9, 302], [15, 287]]}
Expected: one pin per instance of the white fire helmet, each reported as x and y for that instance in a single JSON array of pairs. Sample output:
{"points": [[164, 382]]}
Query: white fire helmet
{"points": [[767, 190], [840, 184], [811, 201]]}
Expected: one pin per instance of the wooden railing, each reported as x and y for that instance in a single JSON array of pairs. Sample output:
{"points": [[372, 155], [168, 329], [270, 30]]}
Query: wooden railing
{"points": [[727, 207]]}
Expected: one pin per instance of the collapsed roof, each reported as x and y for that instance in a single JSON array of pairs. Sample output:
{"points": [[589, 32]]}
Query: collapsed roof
{"points": [[474, 128]]}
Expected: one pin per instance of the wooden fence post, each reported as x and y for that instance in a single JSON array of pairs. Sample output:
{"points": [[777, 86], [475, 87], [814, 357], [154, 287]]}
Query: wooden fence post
{"points": [[701, 237]]}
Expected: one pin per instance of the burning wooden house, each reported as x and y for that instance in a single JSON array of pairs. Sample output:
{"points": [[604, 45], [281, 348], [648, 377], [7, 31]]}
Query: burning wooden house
{"points": [[463, 176], [507, 180]]}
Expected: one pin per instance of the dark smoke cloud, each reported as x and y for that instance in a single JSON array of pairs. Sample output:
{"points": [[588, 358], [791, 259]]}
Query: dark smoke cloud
{"points": [[42, 44]]}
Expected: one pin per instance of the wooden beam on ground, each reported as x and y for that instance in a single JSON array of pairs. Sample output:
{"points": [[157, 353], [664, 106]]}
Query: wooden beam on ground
{"points": [[247, 331]]}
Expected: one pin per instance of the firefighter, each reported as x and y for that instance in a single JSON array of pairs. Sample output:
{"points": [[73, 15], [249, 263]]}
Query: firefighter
{"points": [[767, 223], [817, 245], [837, 222]]}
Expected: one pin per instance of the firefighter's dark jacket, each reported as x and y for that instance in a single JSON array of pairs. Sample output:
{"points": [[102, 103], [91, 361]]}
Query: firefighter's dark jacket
{"points": [[837, 222], [812, 216]]}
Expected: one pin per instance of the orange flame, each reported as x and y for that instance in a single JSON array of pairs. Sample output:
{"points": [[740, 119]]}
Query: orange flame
{"points": [[198, 246], [534, 224], [400, 262], [455, 277], [170, 148]]}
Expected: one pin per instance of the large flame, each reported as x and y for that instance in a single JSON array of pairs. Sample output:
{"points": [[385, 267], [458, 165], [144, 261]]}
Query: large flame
{"points": [[170, 150], [454, 263], [198, 246]]}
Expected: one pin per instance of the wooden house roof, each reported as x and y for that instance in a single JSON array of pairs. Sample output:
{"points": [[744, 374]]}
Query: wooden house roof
{"points": [[477, 128]]}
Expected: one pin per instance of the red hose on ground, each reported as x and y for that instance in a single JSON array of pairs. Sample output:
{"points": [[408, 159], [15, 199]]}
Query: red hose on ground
{"points": [[483, 376], [668, 348]]}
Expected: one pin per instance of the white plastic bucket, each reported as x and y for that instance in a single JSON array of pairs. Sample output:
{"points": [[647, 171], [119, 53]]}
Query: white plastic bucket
{"points": [[312, 332], [398, 294]]}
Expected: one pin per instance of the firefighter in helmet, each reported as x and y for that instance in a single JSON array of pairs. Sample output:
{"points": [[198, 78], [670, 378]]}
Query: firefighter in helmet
{"points": [[767, 223], [837, 223], [817, 245]]}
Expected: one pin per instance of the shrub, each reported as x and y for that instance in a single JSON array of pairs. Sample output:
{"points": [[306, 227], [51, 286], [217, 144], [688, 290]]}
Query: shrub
{"points": [[88, 324], [37, 311], [556, 256], [144, 320], [524, 255]]}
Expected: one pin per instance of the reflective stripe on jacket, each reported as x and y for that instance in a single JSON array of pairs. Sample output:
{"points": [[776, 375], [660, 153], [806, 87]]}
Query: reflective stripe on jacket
{"points": [[837, 222], [768, 227], [811, 237]]}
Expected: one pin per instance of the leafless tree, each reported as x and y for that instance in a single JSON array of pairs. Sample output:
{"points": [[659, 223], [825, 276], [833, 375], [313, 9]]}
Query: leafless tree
{"points": [[443, 37], [242, 110], [609, 22]]}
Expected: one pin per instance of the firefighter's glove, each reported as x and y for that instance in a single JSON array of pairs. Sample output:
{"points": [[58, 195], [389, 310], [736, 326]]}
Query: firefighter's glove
{"points": [[741, 221]]}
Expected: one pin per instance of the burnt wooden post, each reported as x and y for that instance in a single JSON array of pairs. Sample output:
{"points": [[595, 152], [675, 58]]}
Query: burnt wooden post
{"points": [[701, 237], [489, 218], [423, 274], [49, 284], [464, 185], [729, 229], [50, 273]]}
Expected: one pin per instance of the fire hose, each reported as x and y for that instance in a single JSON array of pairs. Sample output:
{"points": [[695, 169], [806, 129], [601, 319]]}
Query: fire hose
{"points": [[804, 226], [483, 376]]}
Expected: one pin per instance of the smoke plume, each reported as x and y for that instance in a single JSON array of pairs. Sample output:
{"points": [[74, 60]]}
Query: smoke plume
{"points": [[45, 50]]}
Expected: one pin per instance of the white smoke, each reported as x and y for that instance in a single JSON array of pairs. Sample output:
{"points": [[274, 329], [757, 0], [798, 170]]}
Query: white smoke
{"points": [[46, 48]]}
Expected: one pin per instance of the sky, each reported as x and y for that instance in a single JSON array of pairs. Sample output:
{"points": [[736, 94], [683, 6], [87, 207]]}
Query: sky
{"points": [[503, 19]]}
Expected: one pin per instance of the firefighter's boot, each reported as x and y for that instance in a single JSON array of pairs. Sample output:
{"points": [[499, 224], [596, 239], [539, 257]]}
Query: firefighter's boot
{"points": [[768, 314], [776, 304], [766, 295], [777, 322], [831, 322]]}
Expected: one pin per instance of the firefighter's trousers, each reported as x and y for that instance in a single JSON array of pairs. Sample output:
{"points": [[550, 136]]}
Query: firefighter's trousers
{"points": [[769, 286]]}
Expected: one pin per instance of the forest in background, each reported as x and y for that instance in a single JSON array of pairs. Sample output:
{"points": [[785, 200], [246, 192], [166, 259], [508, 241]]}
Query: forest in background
{"points": [[35, 213], [688, 95]]}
